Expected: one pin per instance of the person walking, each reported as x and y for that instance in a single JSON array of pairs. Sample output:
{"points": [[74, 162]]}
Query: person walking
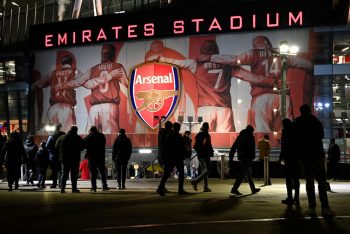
{"points": [[54, 162], [204, 151], [168, 126], [95, 143], [288, 157], [13, 155], [188, 152], [310, 133], [69, 147], [121, 153], [42, 162], [333, 160], [31, 149], [264, 153], [244, 145], [174, 157]]}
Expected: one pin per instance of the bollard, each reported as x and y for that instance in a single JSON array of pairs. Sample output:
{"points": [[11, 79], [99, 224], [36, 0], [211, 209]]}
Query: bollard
{"points": [[266, 172], [222, 167]]}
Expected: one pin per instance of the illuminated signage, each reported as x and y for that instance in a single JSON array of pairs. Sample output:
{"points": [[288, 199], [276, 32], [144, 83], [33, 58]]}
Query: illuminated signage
{"points": [[180, 22], [154, 91]]}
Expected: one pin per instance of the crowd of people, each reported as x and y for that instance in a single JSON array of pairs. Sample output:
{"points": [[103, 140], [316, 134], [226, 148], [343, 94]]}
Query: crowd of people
{"points": [[301, 152]]}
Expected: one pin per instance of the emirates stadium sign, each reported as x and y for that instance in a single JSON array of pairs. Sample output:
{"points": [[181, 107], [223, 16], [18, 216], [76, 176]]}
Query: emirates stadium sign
{"points": [[154, 91]]}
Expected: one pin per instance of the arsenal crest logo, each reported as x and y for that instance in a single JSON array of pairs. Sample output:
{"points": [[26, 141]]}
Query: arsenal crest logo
{"points": [[154, 90]]}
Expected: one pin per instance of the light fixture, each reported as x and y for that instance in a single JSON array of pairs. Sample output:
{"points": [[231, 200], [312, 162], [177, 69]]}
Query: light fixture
{"points": [[145, 151], [15, 4], [119, 12], [346, 48], [284, 48]]}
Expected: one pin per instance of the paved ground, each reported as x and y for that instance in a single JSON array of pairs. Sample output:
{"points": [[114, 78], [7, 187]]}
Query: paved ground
{"points": [[138, 209]]}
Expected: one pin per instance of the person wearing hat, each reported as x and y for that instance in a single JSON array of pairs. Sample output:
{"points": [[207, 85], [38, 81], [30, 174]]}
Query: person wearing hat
{"points": [[53, 155], [121, 154], [244, 145], [95, 143], [204, 151]]}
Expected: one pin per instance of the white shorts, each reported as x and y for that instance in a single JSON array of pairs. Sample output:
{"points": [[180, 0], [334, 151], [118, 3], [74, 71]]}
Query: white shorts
{"points": [[220, 119], [61, 113], [105, 117], [267, 112]]}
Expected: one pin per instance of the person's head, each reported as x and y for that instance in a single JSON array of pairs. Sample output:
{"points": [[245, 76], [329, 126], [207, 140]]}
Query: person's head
{"points": [[205, 126], [209, 47], [333, 140], [93, 129], [43, 144], [168, 125], [187, 133], [305, 109], [286, 123], [176, 127], [249, 128], [121, 132], [67, 61], [58, 127], [266, 137], [107, 53], [74, 130], [30, 138], [157, 46], [261, 42]]}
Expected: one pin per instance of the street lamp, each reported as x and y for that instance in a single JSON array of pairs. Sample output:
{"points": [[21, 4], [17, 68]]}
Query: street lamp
{"points": [[285, 51]]}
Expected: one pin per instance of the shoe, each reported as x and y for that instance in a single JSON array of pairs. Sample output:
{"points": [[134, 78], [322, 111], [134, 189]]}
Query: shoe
{"points": [[93, 190], [188, 178], [123, 187], [194, 185], [256, 190], [288, 202], [119, 188], [43, 187], [75, 191], [182, 192], [166, 190], [10, 189], [53, 186], [296, 202], [16, 187], [31, 182], [327, 212], [235, 192], [160, 192], [63, 191], [105, 188], [206, 190], [311, 212]]}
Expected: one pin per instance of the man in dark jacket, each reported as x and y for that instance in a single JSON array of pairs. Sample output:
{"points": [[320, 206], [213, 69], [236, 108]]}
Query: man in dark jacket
{"points": [[309, 131], [69, 147], [31, 148], [53, 156], [245, 147], [188, 153], [42, 161], [95, 151], [13, 155], [174, 155], [333, 159], [161, 138], [121, 154], [204, 151]]}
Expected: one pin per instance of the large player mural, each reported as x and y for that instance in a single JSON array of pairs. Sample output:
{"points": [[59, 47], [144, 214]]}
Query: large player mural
{"points": [[230, 80]]}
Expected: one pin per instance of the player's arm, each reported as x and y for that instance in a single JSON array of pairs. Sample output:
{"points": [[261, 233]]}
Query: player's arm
{"points": [[44, 82], [80, 80], [254, 79], [242, 59], [186, 64], [300, 63]]}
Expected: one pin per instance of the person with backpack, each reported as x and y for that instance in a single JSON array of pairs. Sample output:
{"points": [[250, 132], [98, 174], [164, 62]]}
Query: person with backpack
{"points": [[31, 149], [333, 159], [244, 145], [53, 155], [42, 162], [204, 151]]}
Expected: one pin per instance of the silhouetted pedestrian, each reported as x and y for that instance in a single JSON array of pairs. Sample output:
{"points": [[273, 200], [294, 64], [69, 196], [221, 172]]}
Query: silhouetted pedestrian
{"points": [[54, 162], [122, 149], [310, 133], [333, 159], [69, 147], [174, 156], [289, 158], [95, 143], [31, 149], [161, 138], [188, 153], [42, 161], [264, 153], [245, 147], [204, 151], [13, 155]]}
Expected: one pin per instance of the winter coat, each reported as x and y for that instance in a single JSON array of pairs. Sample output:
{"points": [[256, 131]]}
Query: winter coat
{"points": [[122, 149], [174, 147], [244, 145], [188, 146], [31, 149], [13, 153], [69, 147], [95, 147], [333, 152], [42, 158], [203, 144], [51, 143], [288, 144]]}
